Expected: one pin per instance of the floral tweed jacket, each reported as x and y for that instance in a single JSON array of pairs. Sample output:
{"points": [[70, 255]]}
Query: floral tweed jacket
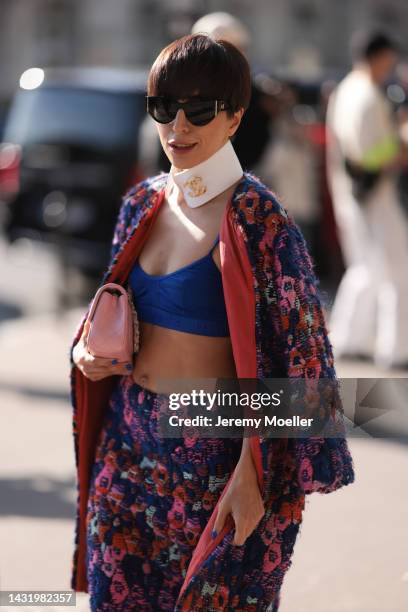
{"points": [[277, 330]]}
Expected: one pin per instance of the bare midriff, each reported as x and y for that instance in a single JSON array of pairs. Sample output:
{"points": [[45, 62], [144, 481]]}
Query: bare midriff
{"points": [[173, 355]]}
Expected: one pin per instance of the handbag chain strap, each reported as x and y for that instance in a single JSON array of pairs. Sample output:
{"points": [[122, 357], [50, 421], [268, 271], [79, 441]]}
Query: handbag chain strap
{"points": [[136, 335]]}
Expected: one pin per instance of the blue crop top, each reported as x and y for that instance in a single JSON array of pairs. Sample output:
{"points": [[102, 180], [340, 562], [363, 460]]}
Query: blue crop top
{"points": [[190, 299]]}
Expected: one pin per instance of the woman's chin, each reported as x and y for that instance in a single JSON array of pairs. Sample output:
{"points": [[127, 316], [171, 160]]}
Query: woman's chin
{"points": [[183, 162]]}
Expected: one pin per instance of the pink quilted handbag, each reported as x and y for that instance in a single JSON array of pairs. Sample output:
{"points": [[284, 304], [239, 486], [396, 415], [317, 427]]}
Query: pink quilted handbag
{"points": [[113, 331]]}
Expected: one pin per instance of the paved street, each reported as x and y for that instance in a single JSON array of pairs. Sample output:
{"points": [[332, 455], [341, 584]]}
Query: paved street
{"points": [[351, 554]]}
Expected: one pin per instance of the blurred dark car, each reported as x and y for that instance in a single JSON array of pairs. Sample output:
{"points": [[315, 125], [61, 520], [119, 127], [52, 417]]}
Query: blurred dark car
{"points": [[69, 152]]}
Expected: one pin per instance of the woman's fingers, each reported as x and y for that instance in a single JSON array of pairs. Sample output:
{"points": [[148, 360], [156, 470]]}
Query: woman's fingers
{"points": [[243, 528], [241, 534], [245, 505], [113, 365], [85, 331], [97, 368], [246, 523], [223, 511]]}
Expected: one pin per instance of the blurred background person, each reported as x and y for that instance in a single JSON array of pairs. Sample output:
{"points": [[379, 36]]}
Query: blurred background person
{"points": [[401, 91], [369, 315], [294, 164], [289, 164], [254, 133]]}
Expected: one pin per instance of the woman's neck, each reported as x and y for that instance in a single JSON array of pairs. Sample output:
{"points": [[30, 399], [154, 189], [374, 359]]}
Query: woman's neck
{"points": [[175, 197], [202, 183]]}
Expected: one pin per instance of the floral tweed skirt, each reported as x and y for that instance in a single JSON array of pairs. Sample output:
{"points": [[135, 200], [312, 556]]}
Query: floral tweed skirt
{"points": [[150, 499]]}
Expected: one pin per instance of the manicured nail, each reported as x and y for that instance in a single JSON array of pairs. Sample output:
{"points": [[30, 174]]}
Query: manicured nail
{"points": [[114, 361], [213, 534], [129, 366]]}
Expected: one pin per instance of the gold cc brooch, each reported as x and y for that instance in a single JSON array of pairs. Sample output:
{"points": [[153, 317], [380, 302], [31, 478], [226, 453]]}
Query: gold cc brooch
{"points": [[196, 186]]}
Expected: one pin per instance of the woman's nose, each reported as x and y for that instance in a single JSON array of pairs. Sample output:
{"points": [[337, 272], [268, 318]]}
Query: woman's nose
{"points": [[180, 121]]}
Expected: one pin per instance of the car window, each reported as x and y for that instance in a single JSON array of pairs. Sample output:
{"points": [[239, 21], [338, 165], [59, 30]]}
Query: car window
{"points": [[81, 116]]}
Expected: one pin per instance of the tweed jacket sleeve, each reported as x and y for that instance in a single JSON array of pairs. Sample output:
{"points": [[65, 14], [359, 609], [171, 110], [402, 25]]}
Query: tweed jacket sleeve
{"points": [[292, 336], [124, 223], [324, 463]]}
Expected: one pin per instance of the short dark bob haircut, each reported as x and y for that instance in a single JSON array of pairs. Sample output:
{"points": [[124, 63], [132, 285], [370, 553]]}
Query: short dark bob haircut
{"points": [[367, 45], [214, 68]]}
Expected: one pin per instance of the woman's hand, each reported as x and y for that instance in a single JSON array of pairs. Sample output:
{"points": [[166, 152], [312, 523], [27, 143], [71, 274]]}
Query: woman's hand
{"points": [[96, 368], [243, 501]]}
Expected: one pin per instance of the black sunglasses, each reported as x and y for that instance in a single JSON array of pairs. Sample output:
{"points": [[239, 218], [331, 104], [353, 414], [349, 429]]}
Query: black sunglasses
{"points": [[199, 111]]}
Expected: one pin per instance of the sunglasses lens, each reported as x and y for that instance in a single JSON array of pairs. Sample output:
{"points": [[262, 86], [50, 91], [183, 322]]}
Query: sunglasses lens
{"points": [[198, 112], [157, 108]]}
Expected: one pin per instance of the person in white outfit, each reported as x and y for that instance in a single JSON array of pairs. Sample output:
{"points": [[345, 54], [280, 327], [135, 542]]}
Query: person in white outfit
{"points": [[370, 311]]}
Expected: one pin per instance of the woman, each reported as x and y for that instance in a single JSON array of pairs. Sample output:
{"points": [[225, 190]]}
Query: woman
{"points": [[198, 524]]}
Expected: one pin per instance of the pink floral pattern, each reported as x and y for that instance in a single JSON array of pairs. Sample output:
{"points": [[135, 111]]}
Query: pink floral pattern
{"points": [[145, 508]]}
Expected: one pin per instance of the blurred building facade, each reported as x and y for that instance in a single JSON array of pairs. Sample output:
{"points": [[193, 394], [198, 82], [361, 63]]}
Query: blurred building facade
{"points": [[302, 35]]}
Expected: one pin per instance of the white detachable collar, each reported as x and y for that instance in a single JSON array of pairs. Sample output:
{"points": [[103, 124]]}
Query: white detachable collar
{"points": [[209, 178]]}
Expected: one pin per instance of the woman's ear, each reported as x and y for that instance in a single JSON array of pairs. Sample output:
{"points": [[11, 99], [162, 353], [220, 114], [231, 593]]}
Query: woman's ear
{"points": [[236, 120]]}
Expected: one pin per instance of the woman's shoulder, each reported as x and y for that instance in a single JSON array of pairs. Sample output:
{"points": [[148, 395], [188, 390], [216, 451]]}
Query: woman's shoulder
{"points": [[136, 201], [257, 197], [145, 189]]}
